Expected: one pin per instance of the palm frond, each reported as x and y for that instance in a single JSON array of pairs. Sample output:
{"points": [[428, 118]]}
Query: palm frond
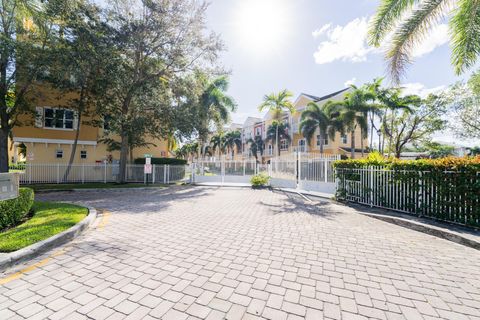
{"points": [[388, 13], [410, 33], [465, 27]]}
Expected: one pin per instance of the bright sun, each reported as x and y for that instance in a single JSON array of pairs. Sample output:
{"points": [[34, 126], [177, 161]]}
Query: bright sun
{"points": [[262, 25]]}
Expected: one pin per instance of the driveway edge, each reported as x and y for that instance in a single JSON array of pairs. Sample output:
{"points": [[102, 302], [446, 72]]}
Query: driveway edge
{"points": [[34, 250]]}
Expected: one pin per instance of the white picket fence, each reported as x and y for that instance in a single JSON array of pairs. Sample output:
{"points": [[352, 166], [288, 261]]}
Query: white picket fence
{"points": [[101, 173], [444, 195]]}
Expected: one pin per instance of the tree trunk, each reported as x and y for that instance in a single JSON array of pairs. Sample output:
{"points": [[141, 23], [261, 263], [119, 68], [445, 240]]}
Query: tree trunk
{"points": [[123, 157], [322, 142], [352, 147], [361, 142], [4, 131], [74, 148]]}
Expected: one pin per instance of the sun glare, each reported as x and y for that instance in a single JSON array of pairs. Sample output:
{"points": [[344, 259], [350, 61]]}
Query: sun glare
{"points": [[262, 26]]}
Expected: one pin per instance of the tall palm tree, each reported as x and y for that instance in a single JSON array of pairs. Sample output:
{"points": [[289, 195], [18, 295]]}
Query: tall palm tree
{"points": [[319, 118], [411, 20], [277, 132], [278, 103], [352, 113], [257, 145], [233, 139], [216, 105], [217, 142]]}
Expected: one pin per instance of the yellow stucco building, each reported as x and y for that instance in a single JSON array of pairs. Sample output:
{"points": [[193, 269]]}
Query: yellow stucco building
{"points": [[49, 136]]}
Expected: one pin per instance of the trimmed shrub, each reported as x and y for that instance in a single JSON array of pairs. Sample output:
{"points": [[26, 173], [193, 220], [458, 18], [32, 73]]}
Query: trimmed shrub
{"points": [[260, 180], [160, 161], [14, 210]]}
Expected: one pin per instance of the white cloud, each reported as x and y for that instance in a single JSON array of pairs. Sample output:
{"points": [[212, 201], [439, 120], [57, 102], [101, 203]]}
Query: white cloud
{"points": [[349, 42], [348, 83], [346, 43], [436, 37], [420, 89], [317, 33]]}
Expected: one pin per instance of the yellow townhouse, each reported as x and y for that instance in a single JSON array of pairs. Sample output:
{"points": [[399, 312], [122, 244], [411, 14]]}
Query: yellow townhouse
{"points": [[341, 145], [48, 137]]}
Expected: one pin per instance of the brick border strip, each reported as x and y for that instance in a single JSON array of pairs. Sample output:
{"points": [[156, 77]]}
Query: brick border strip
{"points": [[10, 259]]}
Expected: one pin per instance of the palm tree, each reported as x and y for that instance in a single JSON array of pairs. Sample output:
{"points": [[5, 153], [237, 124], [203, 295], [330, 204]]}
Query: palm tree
{"points": [[216, 105], [319, 118], [352, 113], [277, 132], [233, 139], [257, 145], [411, 20], [217, 142], [277, 104]]}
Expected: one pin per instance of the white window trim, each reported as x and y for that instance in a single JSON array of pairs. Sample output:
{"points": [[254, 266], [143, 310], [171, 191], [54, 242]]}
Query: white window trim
{"points": [[61, 129]]}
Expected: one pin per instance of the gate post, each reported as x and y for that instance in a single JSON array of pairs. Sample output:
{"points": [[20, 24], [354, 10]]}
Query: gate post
{"points": [[165, 173], [325, 161], [298, 168], [153, 174], [244, 163], [105, 173]]}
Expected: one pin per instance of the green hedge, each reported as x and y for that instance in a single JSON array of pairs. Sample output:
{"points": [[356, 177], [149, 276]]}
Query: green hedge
{"points": [[14, 210], [160, 161]]}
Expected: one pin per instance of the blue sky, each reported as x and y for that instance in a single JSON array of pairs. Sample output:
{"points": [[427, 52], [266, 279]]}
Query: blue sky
{"points": [[311, 46]]}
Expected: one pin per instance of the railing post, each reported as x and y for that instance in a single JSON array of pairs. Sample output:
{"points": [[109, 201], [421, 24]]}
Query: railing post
{"points": [[244, 168], [83, 173], [165, 174], [168, 174], [58, 173], [104, 173], [325, 161], [371, 186], [153, 174]]}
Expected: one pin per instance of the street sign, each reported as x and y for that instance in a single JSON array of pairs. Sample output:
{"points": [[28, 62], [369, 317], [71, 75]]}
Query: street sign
{"points": [[146, 155], [148, 160], [147, 169]]}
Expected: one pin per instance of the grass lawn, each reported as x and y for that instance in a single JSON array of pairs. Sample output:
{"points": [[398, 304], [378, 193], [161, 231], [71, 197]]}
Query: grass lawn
{"points": [[37, 187], [49, 219]]}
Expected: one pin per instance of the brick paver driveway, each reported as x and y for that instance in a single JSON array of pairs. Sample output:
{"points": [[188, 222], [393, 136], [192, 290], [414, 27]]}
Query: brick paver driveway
{"points": [[211, 253]]}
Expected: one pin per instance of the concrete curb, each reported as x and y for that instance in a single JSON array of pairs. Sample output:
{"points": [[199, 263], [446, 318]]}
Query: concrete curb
{"points": [[9, 259], [98, 189]]}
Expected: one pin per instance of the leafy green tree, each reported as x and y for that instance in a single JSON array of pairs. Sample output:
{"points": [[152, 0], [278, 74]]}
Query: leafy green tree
{"points": [[411, 20], [277, 104], [322, 119], [257, 146], [415, 124], [154, 47], [79, 59], [27, 33], [277, 132], [437, 150]]}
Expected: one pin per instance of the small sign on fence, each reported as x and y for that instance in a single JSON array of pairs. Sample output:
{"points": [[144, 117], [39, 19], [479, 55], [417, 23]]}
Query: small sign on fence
{"points": [[147, 169], [9, 183]]}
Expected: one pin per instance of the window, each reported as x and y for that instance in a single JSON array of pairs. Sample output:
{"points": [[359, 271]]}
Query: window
{"points": [[270, 149], [58, 118], [257, 131], [83, 154], [325, 141], [344, 139], [301, 145], [283, 144], [59, 154]]}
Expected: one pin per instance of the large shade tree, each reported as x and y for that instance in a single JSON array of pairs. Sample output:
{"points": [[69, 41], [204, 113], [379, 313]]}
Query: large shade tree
{"points": [[154, 45], [27, 33], [410, 22]]}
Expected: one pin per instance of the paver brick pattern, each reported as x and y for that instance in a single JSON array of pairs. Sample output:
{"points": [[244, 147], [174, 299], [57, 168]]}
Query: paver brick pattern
{"points": [[211, 253]]}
